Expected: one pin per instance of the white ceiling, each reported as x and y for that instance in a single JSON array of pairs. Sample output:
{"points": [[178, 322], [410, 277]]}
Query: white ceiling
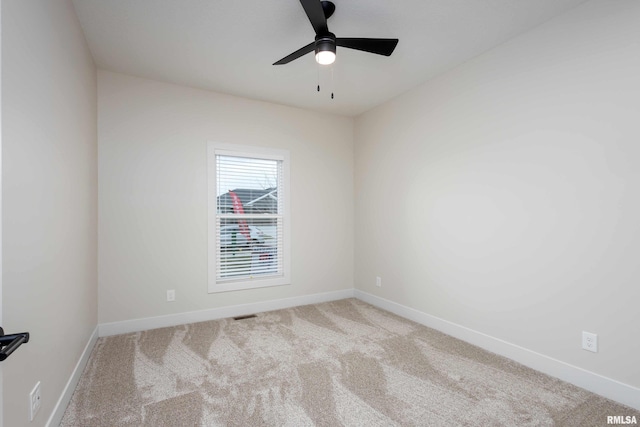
{"points": [[229, 46]]}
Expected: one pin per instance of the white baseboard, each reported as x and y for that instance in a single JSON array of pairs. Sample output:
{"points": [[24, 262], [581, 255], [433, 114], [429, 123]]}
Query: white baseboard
{"points": [[607, 387], [65, 397], [136, 325]]}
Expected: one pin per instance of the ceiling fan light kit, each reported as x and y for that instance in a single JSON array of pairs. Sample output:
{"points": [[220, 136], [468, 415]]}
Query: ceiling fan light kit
{"points": [[325, 47], [325, 42]]}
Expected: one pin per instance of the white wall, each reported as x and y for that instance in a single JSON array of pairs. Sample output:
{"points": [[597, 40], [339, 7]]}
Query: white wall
{"points": [[153, 194], [503, 195], [49, 199]]}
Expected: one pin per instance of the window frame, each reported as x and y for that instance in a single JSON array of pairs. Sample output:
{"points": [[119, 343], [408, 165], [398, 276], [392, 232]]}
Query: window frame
{"points": [[237, 150]]}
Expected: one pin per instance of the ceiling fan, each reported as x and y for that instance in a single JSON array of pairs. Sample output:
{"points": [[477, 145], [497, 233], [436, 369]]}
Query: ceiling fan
{"points": [[326, 42]]}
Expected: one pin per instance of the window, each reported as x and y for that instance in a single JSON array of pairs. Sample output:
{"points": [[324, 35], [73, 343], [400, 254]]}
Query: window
{"points": [[248, 217]]}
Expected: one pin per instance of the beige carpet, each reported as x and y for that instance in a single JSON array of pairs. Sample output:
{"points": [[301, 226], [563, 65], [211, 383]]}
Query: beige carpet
{"points": [[332, 364]]}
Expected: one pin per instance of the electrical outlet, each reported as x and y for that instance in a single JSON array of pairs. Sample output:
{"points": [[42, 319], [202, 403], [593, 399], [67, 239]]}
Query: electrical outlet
{"points": [[379, 281], [34, 401], [171, 295], [590, 341]]}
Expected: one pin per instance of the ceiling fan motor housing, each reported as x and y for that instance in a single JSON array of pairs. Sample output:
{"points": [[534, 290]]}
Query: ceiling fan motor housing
{"points": [[325, 42]]}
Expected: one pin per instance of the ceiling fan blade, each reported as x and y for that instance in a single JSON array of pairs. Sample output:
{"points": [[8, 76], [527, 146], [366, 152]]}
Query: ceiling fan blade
{"points": [[379, 46], [313, 9], [297, 54]]}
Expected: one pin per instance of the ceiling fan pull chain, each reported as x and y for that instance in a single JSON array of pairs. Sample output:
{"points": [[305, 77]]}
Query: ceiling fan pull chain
{"points": [[331, 81], [318, 68]]}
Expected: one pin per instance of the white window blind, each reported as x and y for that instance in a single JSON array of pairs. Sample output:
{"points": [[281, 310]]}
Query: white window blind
{"points": [[249, 231]]}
